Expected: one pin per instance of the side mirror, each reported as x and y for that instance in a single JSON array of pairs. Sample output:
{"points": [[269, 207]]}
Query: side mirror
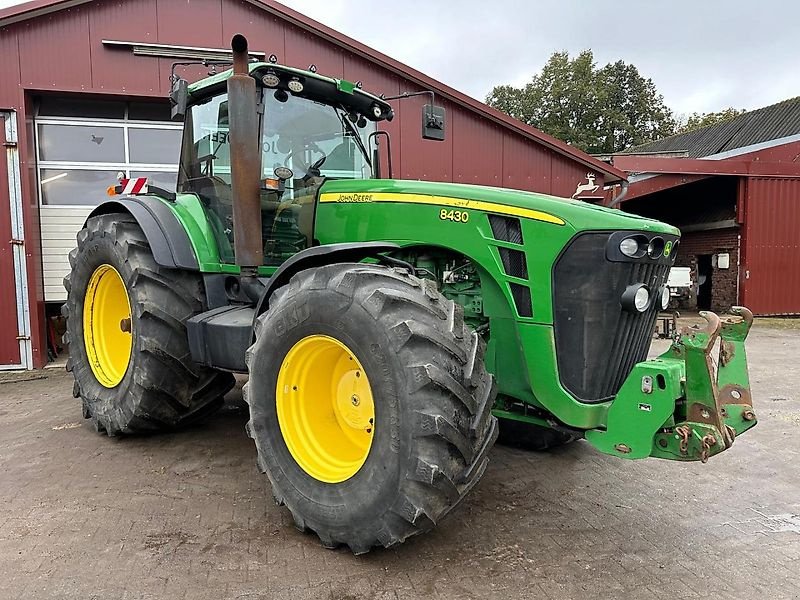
{"points": [[433, 122], [179, 98]]}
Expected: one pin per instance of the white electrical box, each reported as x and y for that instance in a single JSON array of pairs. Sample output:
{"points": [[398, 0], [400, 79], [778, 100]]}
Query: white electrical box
{"points": [[724, 261]]}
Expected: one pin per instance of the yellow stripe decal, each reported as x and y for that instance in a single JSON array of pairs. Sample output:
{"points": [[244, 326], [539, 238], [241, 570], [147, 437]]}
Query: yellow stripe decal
{"points": [[462, 203]]}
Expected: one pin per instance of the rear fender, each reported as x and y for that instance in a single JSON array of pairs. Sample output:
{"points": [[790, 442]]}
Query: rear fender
{"points": [[164, 232]]}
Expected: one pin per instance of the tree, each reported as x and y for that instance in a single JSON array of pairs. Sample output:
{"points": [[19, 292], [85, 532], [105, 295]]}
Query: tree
{"points": [[634, 112], [698, 120], [598, 110]]}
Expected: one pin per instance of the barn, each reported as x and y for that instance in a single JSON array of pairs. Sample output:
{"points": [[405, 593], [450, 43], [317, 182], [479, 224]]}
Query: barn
{"points": [[83, 89], [733, 189]]}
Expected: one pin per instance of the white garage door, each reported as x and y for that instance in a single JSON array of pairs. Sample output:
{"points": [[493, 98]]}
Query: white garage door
{"points": [[83, 146]]}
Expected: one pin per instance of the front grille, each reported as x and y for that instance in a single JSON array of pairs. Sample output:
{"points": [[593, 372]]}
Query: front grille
{"points": [[597, 341]]}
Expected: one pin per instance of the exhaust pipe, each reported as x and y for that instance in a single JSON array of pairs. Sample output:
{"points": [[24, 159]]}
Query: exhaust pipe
{"points": [[245, 160]]}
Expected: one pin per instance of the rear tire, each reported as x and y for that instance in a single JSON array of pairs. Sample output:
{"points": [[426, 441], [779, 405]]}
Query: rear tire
{"points": [[161, 387], [527, 436], [432, 395]]}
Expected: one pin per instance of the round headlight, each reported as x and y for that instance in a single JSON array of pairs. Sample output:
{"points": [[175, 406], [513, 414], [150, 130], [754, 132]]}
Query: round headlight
{"points": [[656, 247], [629, 247], [377, 111], [271, 79], [664, 298], [295, 85], [636, 298], [642, 299], [674, 252], [634, 246]]}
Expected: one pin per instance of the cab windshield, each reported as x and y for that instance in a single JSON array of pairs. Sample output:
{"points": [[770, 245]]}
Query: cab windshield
{"points": [[313, 141]]}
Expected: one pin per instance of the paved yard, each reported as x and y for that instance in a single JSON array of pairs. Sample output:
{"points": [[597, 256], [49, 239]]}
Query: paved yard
{"points": [[188, 515]]}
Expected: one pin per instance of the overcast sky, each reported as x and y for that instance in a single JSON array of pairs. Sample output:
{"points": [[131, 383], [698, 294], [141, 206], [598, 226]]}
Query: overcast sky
{"points": [[703, 55]]}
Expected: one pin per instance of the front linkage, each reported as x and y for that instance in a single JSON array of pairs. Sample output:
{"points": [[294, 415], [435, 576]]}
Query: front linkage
{"points": [[675, 407]]}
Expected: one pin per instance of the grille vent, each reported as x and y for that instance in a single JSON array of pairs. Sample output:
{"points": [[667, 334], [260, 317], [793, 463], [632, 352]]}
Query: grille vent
{"points": [[522, 299], [514, 262], [507, 229]]}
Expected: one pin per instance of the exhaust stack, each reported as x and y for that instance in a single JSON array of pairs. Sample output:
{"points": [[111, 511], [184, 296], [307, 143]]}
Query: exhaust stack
{"points": [[245, 159]]}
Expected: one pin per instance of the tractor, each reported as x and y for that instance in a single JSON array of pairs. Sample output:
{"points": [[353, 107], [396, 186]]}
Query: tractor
{"points": [[390, 330]]}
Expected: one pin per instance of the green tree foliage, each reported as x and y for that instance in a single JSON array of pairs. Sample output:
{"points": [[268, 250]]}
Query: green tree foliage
{"points": [[600, 110], [698, 120]]}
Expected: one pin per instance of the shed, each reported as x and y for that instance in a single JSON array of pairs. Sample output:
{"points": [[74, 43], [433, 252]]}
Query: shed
{"points": [[734, 191], [83, 90]]}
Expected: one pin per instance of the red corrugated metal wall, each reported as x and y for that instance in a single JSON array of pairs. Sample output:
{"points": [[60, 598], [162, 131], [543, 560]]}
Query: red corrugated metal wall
{"points": [[771, 246]]}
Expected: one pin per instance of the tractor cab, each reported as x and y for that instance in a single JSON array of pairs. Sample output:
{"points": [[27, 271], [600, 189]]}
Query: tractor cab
{"points": [[311, 128]]}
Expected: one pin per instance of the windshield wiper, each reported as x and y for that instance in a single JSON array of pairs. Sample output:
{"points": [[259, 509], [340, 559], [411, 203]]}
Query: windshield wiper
{"points": [[346, 123]]}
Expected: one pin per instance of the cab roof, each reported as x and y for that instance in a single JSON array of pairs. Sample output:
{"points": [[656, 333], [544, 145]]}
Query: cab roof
{"points": [[317, 87]]}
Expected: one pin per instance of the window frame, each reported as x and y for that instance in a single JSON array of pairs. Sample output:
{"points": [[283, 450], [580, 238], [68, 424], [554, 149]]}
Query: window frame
{"points": [[126, 167]]}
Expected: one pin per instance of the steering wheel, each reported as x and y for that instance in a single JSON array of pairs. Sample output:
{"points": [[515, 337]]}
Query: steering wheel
{"points": [[311, 170]]}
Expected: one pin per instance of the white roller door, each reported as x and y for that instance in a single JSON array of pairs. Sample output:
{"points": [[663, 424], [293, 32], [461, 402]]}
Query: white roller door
{"points": [[82, 147]]}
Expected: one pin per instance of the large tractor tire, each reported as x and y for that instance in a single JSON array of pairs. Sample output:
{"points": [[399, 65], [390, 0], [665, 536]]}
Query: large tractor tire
{"points": [[126, 330], [532, 437], [370, 404]]}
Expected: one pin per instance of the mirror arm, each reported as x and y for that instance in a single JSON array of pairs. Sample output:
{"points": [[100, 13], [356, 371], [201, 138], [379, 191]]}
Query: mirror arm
{"points": [[411, 95]]}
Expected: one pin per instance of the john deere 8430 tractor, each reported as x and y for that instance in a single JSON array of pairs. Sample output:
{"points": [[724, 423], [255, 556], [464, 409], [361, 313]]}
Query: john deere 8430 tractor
{"points": [[388, 328]]}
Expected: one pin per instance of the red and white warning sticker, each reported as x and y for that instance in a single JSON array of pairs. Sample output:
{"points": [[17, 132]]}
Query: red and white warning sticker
{"points": [[137, 185]]}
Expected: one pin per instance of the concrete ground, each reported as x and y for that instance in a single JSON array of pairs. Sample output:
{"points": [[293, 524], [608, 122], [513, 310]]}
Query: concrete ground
{"points": [[189, 516]]}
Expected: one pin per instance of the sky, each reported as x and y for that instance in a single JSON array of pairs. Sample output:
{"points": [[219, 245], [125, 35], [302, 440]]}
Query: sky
{"points": [[703, 55]]}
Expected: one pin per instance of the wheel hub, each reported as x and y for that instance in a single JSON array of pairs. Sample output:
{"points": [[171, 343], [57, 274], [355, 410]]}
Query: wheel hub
{"points": [[326, 412], [107, 326]]}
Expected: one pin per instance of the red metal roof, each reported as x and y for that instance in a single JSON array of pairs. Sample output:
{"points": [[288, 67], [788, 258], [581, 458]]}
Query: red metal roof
{"points": [[37, 8], [699, 166]]}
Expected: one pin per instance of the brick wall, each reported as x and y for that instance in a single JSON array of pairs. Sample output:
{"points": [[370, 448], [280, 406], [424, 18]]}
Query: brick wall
{"points": [[723, 281]]}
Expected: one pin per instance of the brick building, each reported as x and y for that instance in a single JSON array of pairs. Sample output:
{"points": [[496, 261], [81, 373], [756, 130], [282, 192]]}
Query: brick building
{"points": [[734, 191]]}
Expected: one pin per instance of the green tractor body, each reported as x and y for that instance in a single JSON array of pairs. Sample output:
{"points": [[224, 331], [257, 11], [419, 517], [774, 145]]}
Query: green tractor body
{"points": [[538, 309]]}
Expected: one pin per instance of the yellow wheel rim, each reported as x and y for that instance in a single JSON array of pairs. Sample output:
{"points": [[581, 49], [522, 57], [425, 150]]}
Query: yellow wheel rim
{"points": [[325, 408], [107, 329]]}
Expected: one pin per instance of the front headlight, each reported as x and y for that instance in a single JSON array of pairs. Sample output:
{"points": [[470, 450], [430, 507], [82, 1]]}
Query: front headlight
{"points": [[656, 247], [664, 298], [642, 299], [629, 247], [636, 298], [634, 246]]}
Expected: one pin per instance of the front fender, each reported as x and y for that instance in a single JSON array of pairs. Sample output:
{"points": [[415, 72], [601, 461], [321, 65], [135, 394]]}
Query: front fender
{"points": [[166, 235]]}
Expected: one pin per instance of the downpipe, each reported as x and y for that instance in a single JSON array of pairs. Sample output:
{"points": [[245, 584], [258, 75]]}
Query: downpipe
{"points": [[622, 195]]}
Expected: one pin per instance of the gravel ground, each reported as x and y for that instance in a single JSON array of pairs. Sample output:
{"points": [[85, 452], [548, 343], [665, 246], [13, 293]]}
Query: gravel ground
{"points": [[189, 516]]}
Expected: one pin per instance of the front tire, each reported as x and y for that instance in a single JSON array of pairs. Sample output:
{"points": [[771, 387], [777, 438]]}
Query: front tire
{"points": [[126, 329], [370, 404]]}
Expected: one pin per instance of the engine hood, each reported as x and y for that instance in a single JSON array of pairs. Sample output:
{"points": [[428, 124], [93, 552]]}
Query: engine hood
{"points": [[577, 214]]}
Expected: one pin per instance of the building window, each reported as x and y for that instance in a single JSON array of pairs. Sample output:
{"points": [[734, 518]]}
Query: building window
{"points": [[83, 147]]}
